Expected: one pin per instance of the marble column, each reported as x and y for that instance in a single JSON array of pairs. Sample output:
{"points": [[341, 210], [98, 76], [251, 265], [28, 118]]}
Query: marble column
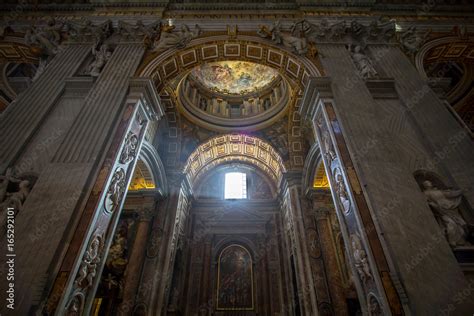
{"points": [[135, 262]]}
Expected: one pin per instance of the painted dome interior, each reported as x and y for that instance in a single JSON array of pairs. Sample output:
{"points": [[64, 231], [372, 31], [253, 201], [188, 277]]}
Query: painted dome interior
{"points": [[234, 77]]}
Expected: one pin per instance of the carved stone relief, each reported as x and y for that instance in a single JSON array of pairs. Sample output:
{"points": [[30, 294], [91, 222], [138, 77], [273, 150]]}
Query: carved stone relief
{"points": [[360, 258], [129, 151], [344, 200], [374, 307], [115, 191], [86, 275]]}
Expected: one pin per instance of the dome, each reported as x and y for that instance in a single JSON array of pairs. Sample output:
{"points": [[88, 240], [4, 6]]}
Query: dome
{"points": [[234, 77]]}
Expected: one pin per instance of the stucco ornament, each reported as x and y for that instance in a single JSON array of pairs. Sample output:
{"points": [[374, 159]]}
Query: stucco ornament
{"points": [[44, 40]]}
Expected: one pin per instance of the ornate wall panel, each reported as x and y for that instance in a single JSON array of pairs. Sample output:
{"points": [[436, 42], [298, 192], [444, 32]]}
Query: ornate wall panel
{"points": [[377, 293]]}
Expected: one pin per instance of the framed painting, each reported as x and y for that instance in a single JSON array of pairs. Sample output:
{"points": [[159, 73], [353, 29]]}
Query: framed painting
{"points": [[235, 279]]}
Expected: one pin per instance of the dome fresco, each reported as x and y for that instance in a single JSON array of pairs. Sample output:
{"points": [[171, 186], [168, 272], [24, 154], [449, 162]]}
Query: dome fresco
{"points": [[234, 77]]}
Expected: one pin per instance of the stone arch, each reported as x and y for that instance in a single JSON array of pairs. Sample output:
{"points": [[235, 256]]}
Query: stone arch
{"points": [[447, 56], [314, 174], [234, 148], [150, 167], [13, 51]]}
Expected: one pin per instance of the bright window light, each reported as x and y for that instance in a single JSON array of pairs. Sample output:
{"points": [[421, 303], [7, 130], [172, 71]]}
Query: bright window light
{"points": [[235, 185]]}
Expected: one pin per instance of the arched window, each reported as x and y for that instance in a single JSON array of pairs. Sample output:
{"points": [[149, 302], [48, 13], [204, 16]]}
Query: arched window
{"points": [[235, 279]]}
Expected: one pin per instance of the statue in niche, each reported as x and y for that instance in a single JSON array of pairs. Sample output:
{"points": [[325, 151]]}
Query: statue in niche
{"points": [[360, 258], [299, 45], [101, 56], [45, 40], [176, 40], [363, 63], [445, 205]]}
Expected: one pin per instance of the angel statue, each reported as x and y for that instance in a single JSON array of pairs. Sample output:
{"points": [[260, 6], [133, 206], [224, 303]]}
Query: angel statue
{"points": [[298, 44], [445, 204], [176, 40]]}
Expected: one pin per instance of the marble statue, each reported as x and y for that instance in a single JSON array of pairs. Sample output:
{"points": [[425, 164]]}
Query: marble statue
{"points": [[299, 45], [445, 204], [411, 41], [46, 39], [101, 56], [363, 63], [177, 40], [90, 32], [360, 258]]}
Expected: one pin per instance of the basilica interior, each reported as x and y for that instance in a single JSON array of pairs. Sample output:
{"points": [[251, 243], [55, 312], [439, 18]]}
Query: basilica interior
{"points": [[237, 158]]}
